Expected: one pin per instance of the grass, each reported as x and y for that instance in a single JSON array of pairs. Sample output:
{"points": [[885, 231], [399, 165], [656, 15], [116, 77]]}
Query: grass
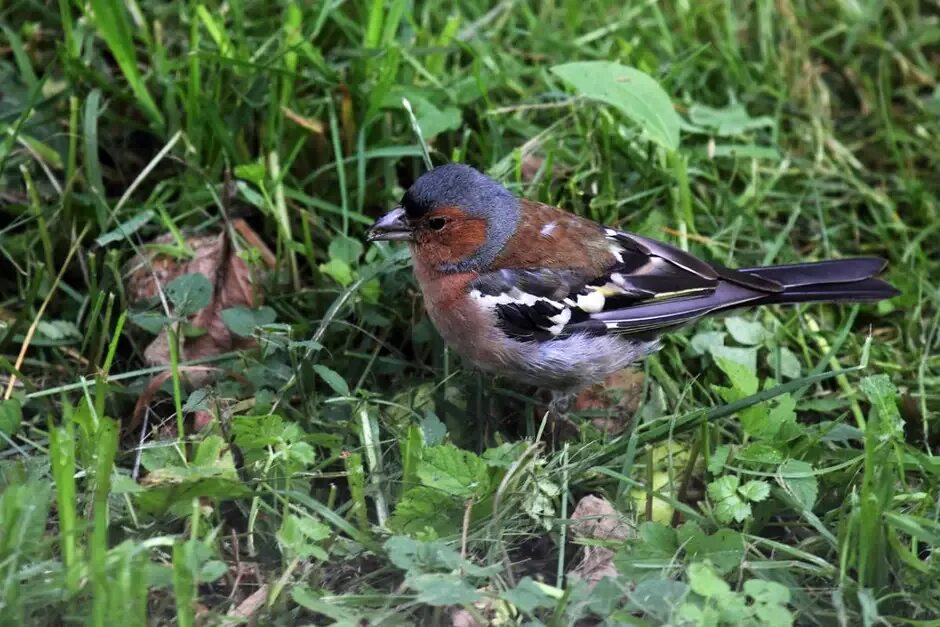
{"points": [[781, 466]]}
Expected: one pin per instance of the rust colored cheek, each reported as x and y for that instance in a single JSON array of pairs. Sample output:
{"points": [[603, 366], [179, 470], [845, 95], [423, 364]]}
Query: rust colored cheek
{"points": [[454, 243]]}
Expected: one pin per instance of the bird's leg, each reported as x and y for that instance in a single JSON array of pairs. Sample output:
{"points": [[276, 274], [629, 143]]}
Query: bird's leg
{"points": [[560, 403], [561, 426]]}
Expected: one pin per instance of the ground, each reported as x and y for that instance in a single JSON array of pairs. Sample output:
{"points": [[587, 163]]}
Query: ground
{"points": [[278, 435]]}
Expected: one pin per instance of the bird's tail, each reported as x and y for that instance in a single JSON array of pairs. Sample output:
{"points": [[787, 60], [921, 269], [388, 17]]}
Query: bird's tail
{"points": [[835, 281]]}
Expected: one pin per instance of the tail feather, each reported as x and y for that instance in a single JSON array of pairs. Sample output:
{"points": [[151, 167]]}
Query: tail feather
{"points": [[838, 281], [821, 272]]}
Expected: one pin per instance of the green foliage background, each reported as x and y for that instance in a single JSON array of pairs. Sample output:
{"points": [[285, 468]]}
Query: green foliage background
{"points": [[781, 467]]}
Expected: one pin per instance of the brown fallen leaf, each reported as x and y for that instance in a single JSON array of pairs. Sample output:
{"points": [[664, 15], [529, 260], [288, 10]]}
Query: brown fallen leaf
{"points": [[622, 391], [596, 519], [532, 163], [460, 617], [214, 256], [250, 606]]}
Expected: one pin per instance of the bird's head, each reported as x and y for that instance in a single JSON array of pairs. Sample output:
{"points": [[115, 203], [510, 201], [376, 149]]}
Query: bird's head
{"points": [[456, 219]]}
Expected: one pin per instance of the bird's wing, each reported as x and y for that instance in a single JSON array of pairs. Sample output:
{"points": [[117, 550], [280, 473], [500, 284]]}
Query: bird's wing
{"points": [[647, 285]]}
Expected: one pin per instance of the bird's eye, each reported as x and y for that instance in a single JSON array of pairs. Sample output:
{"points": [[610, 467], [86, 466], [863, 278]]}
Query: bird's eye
{"points": [[437, 223]]}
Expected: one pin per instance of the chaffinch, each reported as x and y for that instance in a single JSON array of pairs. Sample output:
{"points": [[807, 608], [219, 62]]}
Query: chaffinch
{"points": [[544, 297]]}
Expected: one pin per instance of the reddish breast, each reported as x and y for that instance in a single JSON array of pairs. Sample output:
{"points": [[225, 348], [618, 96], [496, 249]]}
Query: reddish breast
{"points": [[463, 325]]}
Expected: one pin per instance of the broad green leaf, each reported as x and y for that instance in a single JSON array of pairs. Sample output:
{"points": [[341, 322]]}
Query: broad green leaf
{"points": [[332, 379], [303, 534], [11, 416], [339, 271], [189, 293], [454, 471], [198, 400], [421, 556], [703, 341], [745, 331], [724, 548], [243, 321], [251, 172], [790, 366], [528, 596], [636, 94], [149, 321], [743, 380], [423, 511], [798, 480], [346, 249], [763, 591], [745, 357], [653, 550], [441, 590], [761, 453], [704, 581]]}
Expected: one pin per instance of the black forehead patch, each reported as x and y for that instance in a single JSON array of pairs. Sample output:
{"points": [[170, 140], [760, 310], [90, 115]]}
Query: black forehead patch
{"points": [[415, 208]]}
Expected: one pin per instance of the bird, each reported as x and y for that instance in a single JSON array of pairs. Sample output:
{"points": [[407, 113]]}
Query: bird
{"points": [[544, 297]]}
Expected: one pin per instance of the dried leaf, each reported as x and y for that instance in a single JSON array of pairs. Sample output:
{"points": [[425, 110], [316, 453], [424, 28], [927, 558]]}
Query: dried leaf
{"points": [[532, 163], [596, 519], [622, 392], [215, 257]]}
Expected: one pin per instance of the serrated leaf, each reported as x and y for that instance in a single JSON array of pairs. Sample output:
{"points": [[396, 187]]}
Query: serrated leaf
{"points": [[716, 462], [755, 490], [454, 471], [189, 293], [761, 453], [636, 94], [433, 431], [242, 320], [332, 379], [423, 509], [745, 331], [882, 394], [727, 503]]}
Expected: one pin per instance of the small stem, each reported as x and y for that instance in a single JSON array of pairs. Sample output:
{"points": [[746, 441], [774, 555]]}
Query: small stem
{"points": [[684, 218]]}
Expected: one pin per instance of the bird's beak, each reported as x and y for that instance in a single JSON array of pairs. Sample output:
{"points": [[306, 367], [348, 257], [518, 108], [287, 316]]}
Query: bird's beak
{"points": [[393, 226]]}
